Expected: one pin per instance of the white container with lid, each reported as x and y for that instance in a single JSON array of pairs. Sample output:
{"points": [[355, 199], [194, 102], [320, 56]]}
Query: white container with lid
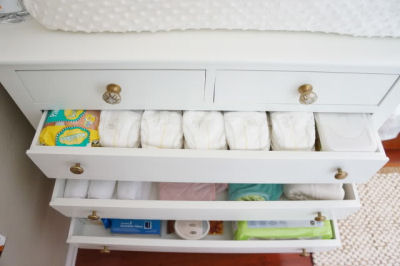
{"points": [[192, 230]]}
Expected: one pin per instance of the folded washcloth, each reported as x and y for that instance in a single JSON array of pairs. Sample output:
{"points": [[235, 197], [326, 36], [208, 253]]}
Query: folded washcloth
{"points": [[162, 129], [292, 131], [314, 191], [76, 188], [99, 189], [131, 190], [120, 128], [247, 130], [255, 192], [189, 191], [204, 130]]}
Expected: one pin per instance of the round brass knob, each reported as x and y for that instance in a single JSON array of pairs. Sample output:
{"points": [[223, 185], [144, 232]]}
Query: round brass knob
{"points": [[105, 250], [340, 174], [307, 96], [320, 217], [112, 95], [93, 216], [76, 169], [304, 253]]}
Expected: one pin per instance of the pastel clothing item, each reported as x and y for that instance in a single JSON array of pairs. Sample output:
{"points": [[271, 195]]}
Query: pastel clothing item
{"points": [[346, 132], [120, 128], [292, 131], [189, 191], [255, 192], [162, 129], [314, 191], [204, 130], [132, 190], [247, 130], [99, 189], [76, 188]]}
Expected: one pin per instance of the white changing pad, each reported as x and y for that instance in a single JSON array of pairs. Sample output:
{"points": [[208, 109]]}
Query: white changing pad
{"points": [[353, 17]]}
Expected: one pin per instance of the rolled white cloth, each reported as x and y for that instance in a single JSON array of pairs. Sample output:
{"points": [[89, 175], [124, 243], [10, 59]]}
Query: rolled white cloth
{"points": [[132, 190], [120, 128], [292, 131], [76, 188], [99, 189], [247, 130], [204, 130], [161, 129], [314, 191]]}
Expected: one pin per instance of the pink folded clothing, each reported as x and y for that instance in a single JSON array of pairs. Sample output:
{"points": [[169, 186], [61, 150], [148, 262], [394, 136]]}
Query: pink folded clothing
{"points": [[190, 191]]}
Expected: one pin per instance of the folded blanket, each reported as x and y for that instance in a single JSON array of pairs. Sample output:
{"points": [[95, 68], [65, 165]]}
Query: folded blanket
{"points": [[120, 128], [204, 130], [247, 130], [255, 192], [314, 191], [99, 189], [76, 188], [131, 190], [189, 191], [162, 129], [292, 131]]}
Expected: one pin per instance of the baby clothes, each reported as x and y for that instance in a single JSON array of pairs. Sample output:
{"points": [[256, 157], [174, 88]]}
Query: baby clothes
{"points": [[76, 188], [189, 191], [132, 190], [99, 189], [314, 191]]}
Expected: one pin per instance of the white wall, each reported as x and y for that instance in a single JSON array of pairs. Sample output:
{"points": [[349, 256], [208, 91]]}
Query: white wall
{"points": [[35, 233]]}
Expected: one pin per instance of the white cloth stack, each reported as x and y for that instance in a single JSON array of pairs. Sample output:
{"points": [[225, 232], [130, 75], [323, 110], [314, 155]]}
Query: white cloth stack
{"points": [[99, 189], [204, 130], [120, 128], [76, 188], [247, 130], [292, 131], [314, 191], [131, 190], [162, 129]]}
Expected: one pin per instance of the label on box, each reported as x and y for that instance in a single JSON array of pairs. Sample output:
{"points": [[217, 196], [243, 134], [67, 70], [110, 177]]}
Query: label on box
{"points": [[283, 224]]}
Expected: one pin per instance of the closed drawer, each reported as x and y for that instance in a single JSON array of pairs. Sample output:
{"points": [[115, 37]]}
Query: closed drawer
{"points": [[221, 209], [83, 89], [86, 234], [205, 166], [268, 88]]}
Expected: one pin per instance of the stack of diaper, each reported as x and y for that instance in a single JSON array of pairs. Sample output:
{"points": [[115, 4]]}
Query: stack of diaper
{"points": [[313, 191], [247, 130], [131, 190], [292, 131], [76, 188], [101, 189], [255, 192], [189, 191]]}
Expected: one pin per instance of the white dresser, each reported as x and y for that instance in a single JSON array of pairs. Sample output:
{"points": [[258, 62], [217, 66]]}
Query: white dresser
{"points": [[201, 70]]}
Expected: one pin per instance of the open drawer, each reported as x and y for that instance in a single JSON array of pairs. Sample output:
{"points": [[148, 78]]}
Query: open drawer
{"points": [[221, 209], [205, 166], [92, 235]]}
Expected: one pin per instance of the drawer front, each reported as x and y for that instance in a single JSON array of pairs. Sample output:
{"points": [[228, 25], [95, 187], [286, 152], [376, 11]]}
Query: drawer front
{"points": [[85, 234], [274, 87], [83, 89], [205, 210]]}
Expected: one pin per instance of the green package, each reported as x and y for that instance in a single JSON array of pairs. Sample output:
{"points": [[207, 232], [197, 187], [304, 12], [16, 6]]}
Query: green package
{"points": [[248, 230], [255, 192]]}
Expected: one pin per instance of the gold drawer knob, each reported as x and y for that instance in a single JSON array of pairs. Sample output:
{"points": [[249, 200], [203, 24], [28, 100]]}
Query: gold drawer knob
{"points": [[340, 174], [76, 169], [93, 216], [304, 253], [112, 95], [105, 250], [307, 96], [320, 217]]}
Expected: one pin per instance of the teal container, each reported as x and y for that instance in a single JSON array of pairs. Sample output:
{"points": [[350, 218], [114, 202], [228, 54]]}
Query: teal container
{"points": [[255, 192]]}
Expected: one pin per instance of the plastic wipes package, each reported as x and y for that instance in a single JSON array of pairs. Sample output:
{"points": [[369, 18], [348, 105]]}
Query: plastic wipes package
{"points": [[70, 128], [251, 230], [255, 192], [128, 226]]}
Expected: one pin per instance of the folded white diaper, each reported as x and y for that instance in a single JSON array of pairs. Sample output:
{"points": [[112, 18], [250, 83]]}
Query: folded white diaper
{"points": [[162, 129], [345, 132], [247, 130], [99, 189], [120, 128], [313, 191], [292, 131], [204, 130], [76, 188], [131, 190]]}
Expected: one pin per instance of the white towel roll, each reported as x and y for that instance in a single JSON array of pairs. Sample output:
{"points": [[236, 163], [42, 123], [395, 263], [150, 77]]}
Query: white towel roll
{"points": [[292, 131], [131, 190], [247, 130], [99, 189], [314, 191], [162, 129], [204, 130], [76, 188], [120, 128]]}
